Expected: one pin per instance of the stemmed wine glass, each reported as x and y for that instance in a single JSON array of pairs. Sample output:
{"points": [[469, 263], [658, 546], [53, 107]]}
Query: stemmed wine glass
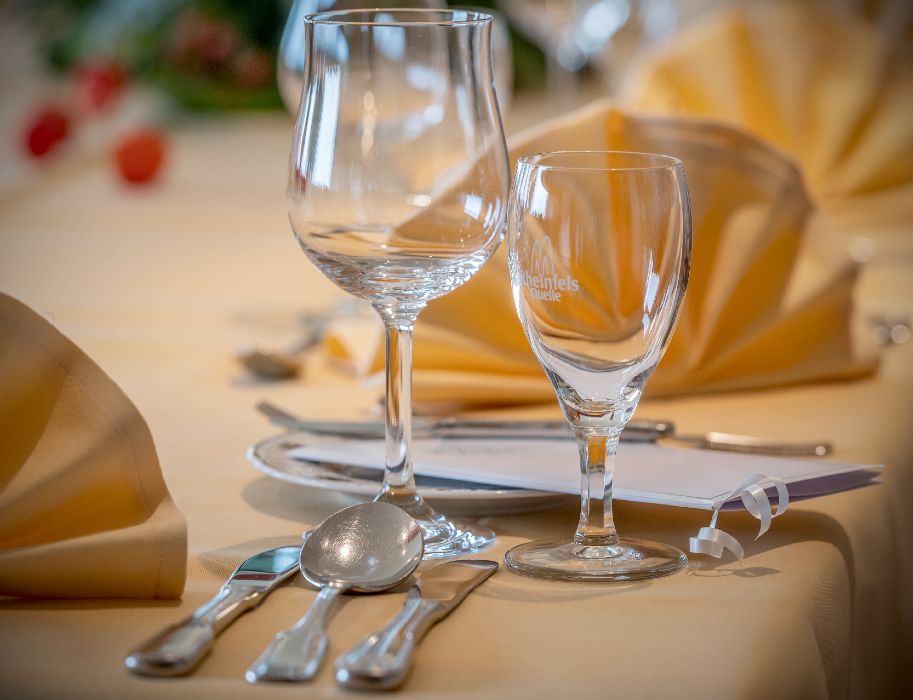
{"points": [[398, 189], [599, 253]]}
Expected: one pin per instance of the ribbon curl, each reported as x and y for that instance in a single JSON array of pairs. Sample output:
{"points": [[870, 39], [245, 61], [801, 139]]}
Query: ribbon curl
{"points": [[712, 541]]}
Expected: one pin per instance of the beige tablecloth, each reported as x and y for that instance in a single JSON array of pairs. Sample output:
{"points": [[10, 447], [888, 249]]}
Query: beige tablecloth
{"points": [[159, 285]]}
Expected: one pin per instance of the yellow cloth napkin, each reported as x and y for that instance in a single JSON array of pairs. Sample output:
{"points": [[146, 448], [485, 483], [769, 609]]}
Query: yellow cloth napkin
{"points": [[762, 309], [827, 87], [84, 511]]}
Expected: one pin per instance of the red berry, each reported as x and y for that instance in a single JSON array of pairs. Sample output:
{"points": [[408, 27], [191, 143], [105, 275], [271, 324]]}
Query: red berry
{"points": [[140, 155], [46, 130], [99, 83], [251, 68]]}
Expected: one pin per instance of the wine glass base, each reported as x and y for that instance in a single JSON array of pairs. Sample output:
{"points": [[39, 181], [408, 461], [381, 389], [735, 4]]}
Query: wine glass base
{"points": [[446, 538], [562, 560]]}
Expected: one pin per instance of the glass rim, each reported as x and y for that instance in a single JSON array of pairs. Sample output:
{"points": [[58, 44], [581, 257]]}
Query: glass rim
{"points": [[468, 17], [660, 161]]}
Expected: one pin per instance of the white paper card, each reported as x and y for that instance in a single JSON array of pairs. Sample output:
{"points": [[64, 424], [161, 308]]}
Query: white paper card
{"points": [[646, 473]]}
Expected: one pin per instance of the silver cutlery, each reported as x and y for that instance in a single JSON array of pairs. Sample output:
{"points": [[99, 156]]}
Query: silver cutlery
{"points": [[461, 428], [365, 548], [270, 362], [748, 444], [382, 660], [179, 648], [646, 431]]}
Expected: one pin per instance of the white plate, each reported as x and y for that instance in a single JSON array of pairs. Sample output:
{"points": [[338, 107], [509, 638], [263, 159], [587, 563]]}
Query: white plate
{"points": [[270, 456]]}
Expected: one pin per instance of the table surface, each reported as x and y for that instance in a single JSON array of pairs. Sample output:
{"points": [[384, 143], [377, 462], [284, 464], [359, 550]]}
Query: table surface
{"points": [[159, 285]]}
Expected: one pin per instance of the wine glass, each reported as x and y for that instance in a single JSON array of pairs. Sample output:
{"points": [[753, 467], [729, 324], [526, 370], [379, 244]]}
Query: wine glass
{"points": [[398, 190], [599, 252]]}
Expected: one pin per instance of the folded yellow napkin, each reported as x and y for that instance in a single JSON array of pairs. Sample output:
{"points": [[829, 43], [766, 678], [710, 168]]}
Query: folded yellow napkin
{"points": [[762, 308], [827, 87], [84, 511]]}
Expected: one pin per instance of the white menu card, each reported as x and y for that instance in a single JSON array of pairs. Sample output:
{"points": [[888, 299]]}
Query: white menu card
{"points": [[647, 473]]}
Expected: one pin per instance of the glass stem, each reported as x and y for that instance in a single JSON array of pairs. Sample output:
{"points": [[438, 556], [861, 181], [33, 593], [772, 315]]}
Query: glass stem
{"points": [[597, 466], [399, 481]]}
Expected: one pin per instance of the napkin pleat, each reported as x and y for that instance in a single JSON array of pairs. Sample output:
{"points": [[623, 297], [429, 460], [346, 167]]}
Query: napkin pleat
{"points": [[138, 561], [754, 276], [80, 484], [828, 88]]}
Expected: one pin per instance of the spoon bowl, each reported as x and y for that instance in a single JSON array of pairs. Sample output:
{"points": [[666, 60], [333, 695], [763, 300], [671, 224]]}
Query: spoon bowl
{"points": [[366, 548], [268, 362]]}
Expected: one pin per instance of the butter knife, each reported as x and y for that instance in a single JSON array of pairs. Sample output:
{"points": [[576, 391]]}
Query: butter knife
{"points": [[382, 660], [177, 649]]}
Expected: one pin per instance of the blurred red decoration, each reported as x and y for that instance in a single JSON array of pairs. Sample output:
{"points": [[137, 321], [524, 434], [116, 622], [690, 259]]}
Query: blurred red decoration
{"points": [[140, 155], [251, 68], [213, 47], [99, 83], [45, 130], [202, 43]]}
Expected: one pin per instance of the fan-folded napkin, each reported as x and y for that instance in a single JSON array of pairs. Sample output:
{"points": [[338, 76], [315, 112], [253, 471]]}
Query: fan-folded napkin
{"points": [[767, 304], [84, 511], [826, 87]]}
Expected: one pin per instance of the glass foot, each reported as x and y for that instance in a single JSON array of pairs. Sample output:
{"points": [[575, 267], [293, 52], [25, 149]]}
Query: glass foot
{"points": [[443, 537], [446, 538], [562, 560]]}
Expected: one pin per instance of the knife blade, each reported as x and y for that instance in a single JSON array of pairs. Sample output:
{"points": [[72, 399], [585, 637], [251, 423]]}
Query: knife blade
{"points": [[178, 649], [382, 660]]}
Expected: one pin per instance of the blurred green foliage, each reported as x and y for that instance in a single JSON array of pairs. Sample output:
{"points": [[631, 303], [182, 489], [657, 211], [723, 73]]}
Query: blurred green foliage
{"points": [[208, 54]]}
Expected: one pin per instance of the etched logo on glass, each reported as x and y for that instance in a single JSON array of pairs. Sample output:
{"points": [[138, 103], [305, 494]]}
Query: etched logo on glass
{"points": [[541, 276]]}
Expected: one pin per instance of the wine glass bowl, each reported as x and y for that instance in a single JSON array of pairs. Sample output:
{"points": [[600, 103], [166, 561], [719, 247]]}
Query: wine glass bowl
{"points": [[402, 196], [398, 188], [599, 253], [293, 48]]}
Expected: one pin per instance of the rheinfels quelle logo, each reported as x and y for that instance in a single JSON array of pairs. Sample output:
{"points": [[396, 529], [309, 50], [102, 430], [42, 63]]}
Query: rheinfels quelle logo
{"points": [[542, 278]]}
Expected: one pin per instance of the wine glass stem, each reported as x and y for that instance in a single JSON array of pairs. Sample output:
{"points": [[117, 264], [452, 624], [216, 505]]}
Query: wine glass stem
{"points": [[597, 466], [399, 481]]}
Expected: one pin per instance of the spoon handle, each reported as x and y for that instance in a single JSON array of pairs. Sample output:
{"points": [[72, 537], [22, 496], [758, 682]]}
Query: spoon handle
{"points": [[297, 653]]}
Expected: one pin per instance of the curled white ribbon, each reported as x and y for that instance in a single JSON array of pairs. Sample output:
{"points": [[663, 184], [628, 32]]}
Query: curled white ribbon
{"points": [[712, 541]]}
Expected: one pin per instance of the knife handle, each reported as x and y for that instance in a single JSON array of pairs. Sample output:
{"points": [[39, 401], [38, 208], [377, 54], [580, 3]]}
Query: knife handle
{"points": [[177, 649], [297, 653], [381, 661], [748, 444]]}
